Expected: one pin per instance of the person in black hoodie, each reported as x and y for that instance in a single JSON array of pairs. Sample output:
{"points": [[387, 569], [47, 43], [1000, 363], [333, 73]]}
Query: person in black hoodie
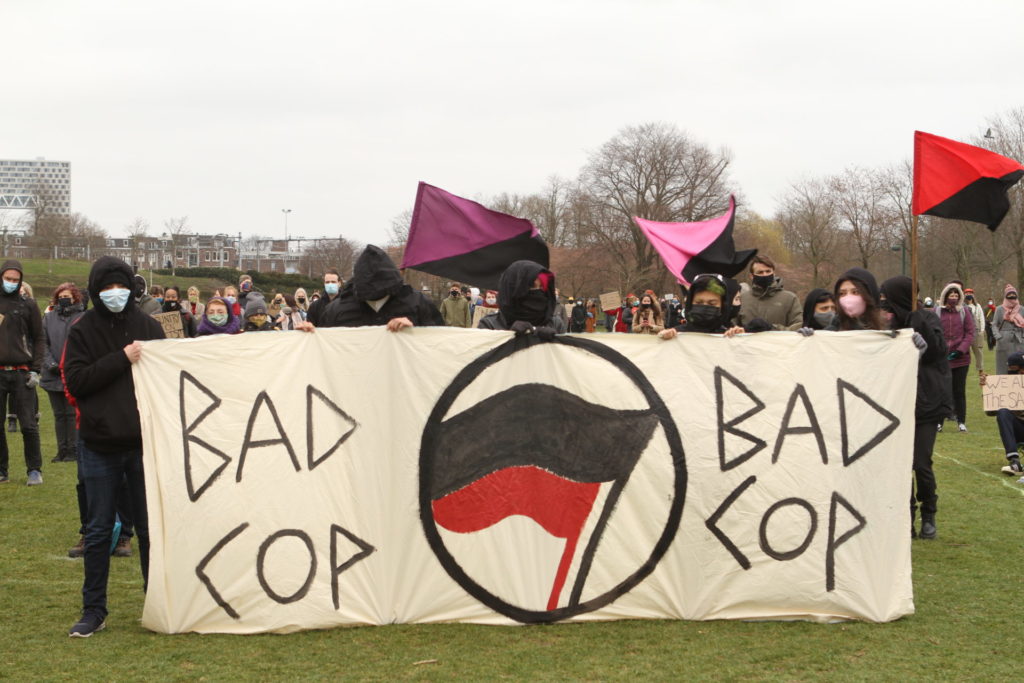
{"points": [[934, 395], [709, 307], [526, 301], [857, 294], [377, 295], [22, 348], [97, 367], [819, 309]]}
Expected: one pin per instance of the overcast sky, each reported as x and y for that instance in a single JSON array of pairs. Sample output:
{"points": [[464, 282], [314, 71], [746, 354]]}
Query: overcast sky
{"points": [[228, 112]]}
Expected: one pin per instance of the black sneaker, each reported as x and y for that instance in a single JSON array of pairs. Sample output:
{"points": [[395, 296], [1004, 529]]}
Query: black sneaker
{"points": [[87, 625], [1014, 468], [928, 530]]}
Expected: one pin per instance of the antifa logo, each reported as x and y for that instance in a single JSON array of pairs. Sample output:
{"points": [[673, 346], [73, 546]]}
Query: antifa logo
{"points": [[539, 452]]}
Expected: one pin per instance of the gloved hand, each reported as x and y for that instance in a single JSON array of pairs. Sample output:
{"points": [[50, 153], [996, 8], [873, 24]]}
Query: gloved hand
{"points": [[806, 331], [521, 327], [919, 343], [545, 333], [954, 355], [33, 380]]}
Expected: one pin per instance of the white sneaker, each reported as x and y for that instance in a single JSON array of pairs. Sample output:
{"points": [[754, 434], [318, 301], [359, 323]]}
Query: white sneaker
{"points": [[962, 427]]}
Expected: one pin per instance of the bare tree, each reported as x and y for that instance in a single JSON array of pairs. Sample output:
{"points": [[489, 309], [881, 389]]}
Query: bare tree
{"points": [[864, 213], [809, 225], [1008, 139], [137, 232], [178, 232], [655, 171]]}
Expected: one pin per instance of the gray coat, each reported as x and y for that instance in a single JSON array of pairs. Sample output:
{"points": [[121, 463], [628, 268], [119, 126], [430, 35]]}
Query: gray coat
{"points": [[1009, 338], [55, 329]]}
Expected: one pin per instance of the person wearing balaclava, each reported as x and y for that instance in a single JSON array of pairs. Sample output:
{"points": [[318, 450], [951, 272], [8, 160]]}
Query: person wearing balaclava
{"points": [[22, 348], [377, 295], [98, 357], [934, 400], [526, 301], [143, 301], [709, 307], [819, 309]]}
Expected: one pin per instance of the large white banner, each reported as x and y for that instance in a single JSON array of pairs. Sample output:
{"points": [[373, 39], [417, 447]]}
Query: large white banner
{"points": [[361, 476]]}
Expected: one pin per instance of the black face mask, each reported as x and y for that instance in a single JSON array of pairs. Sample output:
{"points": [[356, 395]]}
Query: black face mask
{"points": [[763, 281], [532, 308], [171, 306], [65, 304], [453, 293], [645, 305], [705, 317]]}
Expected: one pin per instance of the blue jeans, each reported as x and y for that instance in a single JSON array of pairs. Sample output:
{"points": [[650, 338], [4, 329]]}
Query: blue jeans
{"points": [[102, 475]]}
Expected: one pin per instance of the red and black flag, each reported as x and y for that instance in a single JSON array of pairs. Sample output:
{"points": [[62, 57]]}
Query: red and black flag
{"points": [[461, 240], [956, 180], [546, 456]]}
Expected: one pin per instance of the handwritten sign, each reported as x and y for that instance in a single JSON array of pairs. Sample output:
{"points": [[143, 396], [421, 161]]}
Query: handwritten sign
{"points": [[610, 301], [171, 322], [1003, 391]]}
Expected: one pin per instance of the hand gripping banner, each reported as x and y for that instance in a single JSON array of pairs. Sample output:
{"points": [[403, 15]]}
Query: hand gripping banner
{"points": [[359, 476]]}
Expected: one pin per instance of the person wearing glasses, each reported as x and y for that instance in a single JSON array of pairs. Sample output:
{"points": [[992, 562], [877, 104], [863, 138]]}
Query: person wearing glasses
{"points": [[708, 307], [1008, 328]]}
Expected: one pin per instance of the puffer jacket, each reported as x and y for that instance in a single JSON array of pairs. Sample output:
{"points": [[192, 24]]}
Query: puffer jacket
{"points": [[957, 327]]}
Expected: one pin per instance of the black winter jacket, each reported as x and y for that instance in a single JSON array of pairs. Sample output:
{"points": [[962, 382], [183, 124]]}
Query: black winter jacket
{"points": [[97, 373], [21, 326], [56, 325]]}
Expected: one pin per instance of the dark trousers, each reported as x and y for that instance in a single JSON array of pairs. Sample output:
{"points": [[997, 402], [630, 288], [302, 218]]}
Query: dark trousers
{"points": [[959, 393], [1011, 430], [64, 425], [12, 383], [102, 474], [924, 444], [124, 513]]}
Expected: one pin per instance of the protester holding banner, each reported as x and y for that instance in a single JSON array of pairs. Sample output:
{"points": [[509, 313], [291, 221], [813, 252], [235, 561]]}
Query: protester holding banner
{"points": [[332, 287], [98, 358], [1008, 328], [648, 319], [67, 309], [933, 402], [289, 317], [767, 299], [958, 331], [301, 302], [377, 295], [856, 290], [218, 318], [257, 319], [819, 309], [526, 301], [708, 307]]}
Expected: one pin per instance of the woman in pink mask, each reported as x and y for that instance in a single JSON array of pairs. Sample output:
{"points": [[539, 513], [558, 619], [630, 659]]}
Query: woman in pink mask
{"points": [[856, 292]]}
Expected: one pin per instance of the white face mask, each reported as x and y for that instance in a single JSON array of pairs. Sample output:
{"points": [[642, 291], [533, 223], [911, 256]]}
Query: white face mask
{"points": [[115, 299]]}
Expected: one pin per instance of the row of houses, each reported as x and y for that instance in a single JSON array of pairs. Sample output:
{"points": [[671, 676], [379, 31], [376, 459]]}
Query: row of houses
{"points": [[165, 251]]}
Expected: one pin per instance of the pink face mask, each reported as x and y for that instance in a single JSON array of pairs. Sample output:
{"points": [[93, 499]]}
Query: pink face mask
{"points": [[853, 305]]}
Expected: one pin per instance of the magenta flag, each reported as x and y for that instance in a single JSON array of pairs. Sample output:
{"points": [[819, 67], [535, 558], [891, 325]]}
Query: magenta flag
{"points": [[459, 239], [692, 249]]}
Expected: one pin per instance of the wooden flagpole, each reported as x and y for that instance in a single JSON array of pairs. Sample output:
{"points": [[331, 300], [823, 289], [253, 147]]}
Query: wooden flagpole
{"points": [[913, 262]]}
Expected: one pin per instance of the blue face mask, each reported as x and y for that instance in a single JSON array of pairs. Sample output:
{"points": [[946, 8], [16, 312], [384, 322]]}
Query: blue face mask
{"points": [[115, 299], [230, 300], [11, 287], [331, 288]]}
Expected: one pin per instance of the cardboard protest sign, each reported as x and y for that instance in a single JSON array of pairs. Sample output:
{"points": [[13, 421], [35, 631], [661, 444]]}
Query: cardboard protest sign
{"points": [[1003, 391], [171, 322], [610, 301], [441, 474]]}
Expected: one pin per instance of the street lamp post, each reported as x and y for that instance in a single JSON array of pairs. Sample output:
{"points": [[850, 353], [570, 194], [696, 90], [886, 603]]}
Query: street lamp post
{"points": [[902, 248]]}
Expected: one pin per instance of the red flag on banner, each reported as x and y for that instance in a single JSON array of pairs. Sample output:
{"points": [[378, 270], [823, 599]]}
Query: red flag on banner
{"points": [[956, 180]]}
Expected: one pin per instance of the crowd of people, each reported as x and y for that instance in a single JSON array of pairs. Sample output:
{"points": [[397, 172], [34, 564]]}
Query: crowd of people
{"points": [[82, 349]]}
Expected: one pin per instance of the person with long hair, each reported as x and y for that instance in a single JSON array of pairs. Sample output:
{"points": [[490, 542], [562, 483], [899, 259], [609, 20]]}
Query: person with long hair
{"points": [[1008, 328], [648, 318], [958, 330], [67, 307], [856, 291]]}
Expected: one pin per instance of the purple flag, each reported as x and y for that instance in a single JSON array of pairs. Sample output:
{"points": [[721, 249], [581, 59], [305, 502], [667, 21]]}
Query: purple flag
{"points": [[459, 239]]}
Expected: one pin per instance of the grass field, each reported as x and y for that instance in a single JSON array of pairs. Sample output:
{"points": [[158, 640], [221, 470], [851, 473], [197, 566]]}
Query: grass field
{"points": [[44, 276], [965, 627]]}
